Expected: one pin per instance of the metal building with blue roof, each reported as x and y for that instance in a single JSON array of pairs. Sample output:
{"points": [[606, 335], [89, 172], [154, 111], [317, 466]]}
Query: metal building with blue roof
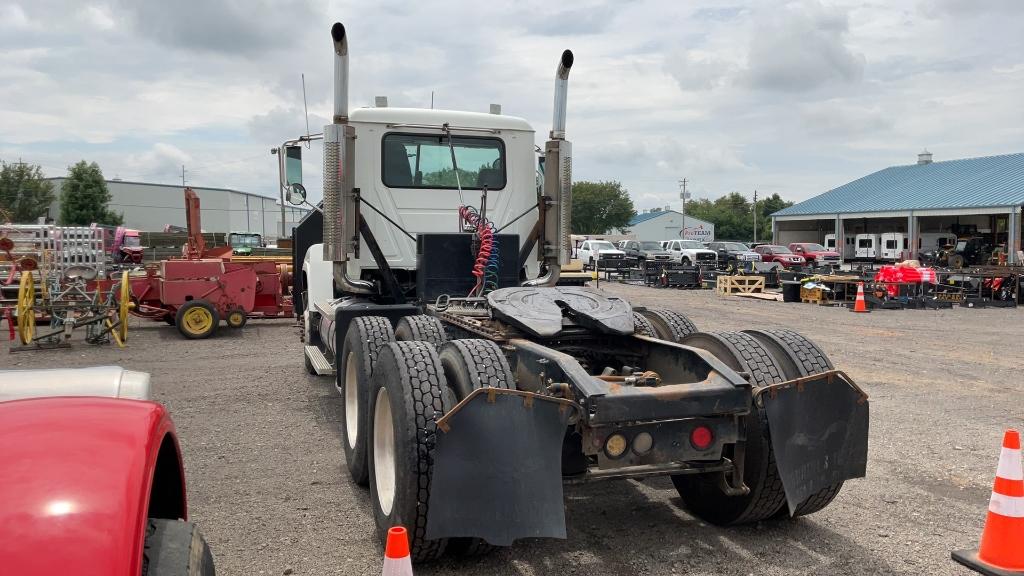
{"points": [[923, 201]]}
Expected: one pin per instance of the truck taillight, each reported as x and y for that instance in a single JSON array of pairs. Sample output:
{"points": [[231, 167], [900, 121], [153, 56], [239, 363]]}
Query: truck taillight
{"points": [[702, 437]]}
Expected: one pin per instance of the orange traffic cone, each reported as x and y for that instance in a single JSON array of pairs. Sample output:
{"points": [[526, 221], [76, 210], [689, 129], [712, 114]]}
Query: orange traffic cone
{"points": [[1002, 541], [860, 305], [397, 561]]}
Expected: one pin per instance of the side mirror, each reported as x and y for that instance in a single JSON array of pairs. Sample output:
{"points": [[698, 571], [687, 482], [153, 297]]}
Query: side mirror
{"points": [[297, 194], [293, 165]]}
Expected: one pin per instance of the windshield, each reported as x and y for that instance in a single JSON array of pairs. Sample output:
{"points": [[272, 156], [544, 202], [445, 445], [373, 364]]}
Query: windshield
{"points": [[814, 248], [650, 245], [692, 245], [736, 246], [245, 240], [601, 246], [425, 161], [779, 250], [961, 245], [131, 241]]}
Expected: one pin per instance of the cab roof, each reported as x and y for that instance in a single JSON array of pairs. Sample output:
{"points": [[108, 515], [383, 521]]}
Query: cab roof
{"points": [[438, 117]]}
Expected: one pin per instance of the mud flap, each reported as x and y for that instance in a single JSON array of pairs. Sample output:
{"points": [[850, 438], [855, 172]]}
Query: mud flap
{"points": [[819, 431], [497, 471]]}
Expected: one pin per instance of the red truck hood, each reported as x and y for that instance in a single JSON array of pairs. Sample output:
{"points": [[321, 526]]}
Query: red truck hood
{"points": [[75, 477]]}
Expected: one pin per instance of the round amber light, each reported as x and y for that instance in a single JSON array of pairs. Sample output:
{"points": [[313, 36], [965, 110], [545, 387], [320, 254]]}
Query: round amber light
{"points": [[615, 445]]}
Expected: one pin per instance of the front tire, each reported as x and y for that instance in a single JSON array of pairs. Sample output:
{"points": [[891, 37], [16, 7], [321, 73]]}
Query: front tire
{"points": [[175, 548], [365, 338], [408, 394]]}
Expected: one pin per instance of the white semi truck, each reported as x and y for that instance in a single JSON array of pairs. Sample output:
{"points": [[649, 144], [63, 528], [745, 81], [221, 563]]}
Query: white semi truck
{"points": [[473, 387]]}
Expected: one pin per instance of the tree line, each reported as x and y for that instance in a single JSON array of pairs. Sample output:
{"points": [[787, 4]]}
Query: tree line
{"points": [[25, 196]]}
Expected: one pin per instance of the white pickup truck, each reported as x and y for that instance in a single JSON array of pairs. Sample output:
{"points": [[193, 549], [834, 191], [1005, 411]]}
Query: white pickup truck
{"points": [[691, 253], [593, 250]]}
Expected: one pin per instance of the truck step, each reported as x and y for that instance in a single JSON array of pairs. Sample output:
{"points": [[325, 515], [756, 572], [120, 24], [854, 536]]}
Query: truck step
{"points": [[319, 361]]}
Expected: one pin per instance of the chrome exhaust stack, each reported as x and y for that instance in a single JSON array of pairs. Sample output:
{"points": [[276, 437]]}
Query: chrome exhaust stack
{"points": [[553, 244], [341, 214]]}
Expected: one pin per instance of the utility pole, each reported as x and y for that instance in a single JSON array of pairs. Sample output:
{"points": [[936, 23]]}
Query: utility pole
{"points": [[183, 175], [683, 194], [755, 216]]}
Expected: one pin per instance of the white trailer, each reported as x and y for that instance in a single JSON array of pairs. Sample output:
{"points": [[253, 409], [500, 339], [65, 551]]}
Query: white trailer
{"points": [[867, 246], [848, 249], [893, 245]]}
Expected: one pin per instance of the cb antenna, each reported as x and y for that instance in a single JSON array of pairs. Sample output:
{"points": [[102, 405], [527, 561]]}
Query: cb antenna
{"points": [[305, 108]]}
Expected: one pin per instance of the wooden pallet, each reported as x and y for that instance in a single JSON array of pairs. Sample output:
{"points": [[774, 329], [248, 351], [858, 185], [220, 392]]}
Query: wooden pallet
{"points": [[727, 285]]}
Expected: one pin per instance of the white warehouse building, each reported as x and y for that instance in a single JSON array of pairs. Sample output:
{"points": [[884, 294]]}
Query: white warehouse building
{"points": [[669, 225], [151, 207]]}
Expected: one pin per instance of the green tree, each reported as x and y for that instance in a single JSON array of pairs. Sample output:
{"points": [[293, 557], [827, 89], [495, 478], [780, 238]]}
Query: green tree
{"points": [[733, 217], [84, 197], [24, 195], [599, 207]]}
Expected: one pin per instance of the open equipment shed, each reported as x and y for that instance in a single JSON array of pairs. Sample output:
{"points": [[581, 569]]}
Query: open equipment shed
{"points": [[961, 197]]}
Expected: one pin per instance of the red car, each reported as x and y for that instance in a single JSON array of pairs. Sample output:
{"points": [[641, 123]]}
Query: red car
{"points": [[784, 256], [815, 254], [93, 485]]}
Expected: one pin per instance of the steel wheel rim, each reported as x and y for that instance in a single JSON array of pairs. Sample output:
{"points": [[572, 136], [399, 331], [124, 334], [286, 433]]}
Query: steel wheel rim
{"points": [[351, 401], [198, 320], [384, 452]]}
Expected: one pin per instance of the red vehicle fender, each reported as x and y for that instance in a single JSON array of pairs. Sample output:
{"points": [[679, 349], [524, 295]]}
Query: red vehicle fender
{"points": [[78, 479]]}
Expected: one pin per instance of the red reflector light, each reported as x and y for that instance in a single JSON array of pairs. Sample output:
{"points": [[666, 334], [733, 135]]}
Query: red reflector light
{"points": [[702, 437]]}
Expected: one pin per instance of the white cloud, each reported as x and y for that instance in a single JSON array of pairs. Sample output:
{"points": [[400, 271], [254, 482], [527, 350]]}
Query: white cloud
{"points": [[788, 97]]}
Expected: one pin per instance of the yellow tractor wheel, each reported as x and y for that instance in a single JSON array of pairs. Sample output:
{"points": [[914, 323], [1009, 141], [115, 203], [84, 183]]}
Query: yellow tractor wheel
{"points": [[197, 319], [236, 318], [26, 308], [124, 307]]}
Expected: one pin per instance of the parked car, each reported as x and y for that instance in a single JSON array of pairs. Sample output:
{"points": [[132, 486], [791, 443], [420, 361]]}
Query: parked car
{"points": [[93, 481], [593, 250], [775, 253], [815, 254], [730, 253], [644, 250], [691, 253]]}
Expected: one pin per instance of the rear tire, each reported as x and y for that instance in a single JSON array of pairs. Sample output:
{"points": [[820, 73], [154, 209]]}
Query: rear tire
{"points": [[421, 327], [408, 395], [702, 495], [175, 548], [643, 326], [669, 324], [364, 339], [799, 357]]}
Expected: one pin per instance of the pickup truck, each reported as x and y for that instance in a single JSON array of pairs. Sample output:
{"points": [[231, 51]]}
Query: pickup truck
{"points": [[730, 253], [691, 253], [775, 253], [815, 254], [593, 250], [644, 250]]}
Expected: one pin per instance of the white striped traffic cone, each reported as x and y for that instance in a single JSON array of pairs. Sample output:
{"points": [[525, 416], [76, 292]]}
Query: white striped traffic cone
{"points": [[1002, 541], [397, 561]]}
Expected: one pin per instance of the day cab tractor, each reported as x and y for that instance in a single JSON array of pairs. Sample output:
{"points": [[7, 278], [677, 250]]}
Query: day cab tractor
{"points": [[474, 387], [92, 478]]}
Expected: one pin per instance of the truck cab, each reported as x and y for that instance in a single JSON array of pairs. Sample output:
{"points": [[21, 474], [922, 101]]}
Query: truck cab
{"points": [[868, 247]]}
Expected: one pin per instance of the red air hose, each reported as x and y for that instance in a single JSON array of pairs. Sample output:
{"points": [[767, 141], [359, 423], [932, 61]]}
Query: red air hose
{"points": [[486, 235]]}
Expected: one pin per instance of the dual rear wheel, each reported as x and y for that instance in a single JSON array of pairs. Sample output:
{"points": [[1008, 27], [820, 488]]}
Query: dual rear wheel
{"points": [[395, 385]]}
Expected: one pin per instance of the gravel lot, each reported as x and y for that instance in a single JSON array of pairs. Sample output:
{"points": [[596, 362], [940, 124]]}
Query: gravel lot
{"points": [[268, 485]]}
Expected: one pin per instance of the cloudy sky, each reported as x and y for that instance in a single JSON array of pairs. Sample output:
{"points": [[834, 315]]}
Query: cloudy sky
{"points": [[786, 97]]}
